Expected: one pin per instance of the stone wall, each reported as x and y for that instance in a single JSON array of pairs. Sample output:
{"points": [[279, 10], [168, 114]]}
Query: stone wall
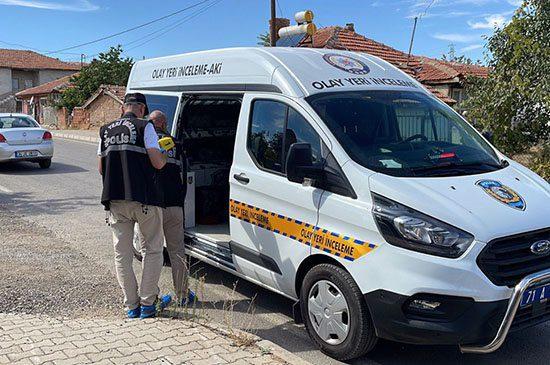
{"points": [[5, 81], [80, 118], [103, 110]]}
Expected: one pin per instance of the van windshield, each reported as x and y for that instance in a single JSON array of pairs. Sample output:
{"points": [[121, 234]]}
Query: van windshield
{"points": [[403, 133]]}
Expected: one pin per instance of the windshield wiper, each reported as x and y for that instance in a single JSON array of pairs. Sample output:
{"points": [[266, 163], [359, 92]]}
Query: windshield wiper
{"points": [[457, 167]]}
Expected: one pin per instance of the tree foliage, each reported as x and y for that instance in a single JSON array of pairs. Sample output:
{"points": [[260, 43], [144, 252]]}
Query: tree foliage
{"points": [[452, 56], [264, 39], [514, 101], [109, 68]]}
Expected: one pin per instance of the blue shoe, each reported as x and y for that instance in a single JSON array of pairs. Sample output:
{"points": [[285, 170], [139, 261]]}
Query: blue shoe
{"points": [[134, 313], [191, 297], [165, 301], [148, 311]]}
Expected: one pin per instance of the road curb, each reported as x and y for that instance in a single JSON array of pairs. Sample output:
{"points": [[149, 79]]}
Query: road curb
{"points": [[274, 349], [74, 136]]}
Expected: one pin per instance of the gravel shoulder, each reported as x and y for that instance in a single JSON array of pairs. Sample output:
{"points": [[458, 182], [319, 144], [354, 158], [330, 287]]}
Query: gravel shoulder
{"points": [[42, 274]]}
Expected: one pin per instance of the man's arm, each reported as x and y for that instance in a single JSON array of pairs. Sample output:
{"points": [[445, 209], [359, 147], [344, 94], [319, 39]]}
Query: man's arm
{"points": [[157, 158], [99, 164]]}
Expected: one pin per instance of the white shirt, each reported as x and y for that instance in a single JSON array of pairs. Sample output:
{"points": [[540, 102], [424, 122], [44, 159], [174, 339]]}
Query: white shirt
{"points": [[150, 139]]}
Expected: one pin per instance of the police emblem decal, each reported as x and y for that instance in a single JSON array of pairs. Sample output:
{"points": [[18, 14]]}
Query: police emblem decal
{"points": [[502, 193], [346, 63]]}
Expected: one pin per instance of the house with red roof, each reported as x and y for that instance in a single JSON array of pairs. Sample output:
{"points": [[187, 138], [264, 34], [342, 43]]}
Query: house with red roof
{"points": [[39, 101], [444, 79], [22, 69]]}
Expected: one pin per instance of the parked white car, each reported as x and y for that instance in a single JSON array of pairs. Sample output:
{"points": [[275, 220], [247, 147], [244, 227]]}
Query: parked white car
{"points": [[22, 139]]}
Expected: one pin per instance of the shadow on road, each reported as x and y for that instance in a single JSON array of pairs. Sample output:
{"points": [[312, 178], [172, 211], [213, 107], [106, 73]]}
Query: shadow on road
{"points": [[31, 168], [30, 205]]}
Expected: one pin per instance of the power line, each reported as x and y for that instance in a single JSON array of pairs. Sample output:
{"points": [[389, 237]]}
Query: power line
{"points": [[35, 49], [426, 10], [280, 10], [164, 31], [130, 29]]}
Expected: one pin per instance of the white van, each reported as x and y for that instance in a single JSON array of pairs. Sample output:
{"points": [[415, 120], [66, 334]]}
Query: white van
{"points": [[337, 180]]}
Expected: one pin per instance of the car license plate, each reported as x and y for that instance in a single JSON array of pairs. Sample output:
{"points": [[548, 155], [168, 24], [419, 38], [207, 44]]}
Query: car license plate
{"points": [[26, 153], [535, 295]]}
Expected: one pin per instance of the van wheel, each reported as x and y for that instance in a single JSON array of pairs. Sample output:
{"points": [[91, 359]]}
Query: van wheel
{"points": [[335, 313]]}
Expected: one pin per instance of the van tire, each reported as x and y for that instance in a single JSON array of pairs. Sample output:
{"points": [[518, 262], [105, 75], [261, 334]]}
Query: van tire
{"points": [[361, 337]]}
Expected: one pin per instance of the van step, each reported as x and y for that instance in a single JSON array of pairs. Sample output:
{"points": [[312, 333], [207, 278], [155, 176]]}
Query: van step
{"points": [[220, 254]]}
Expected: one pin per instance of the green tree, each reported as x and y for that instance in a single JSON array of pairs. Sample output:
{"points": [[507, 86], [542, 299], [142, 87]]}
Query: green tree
{"points": [[514, 101], [452, 56], [264, 40], [108, 68]]}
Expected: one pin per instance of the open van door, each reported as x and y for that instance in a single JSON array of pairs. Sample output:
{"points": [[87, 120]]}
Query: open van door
{"points": [[271, 217]]}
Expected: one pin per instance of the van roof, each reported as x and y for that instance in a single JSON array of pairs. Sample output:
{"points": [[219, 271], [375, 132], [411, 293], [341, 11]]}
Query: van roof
{"points": [[295, 72]]}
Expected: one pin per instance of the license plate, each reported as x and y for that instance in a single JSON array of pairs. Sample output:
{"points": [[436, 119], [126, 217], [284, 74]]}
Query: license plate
{"points": [[26, 153], [535, 295]]}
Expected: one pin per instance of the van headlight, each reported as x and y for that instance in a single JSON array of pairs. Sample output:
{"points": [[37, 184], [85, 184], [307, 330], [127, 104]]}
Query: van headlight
{"points": [[405, 227]]}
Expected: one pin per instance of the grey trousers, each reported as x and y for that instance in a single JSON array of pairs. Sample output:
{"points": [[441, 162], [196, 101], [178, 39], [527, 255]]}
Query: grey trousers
{"points": [[173, 228], [124, 214]]}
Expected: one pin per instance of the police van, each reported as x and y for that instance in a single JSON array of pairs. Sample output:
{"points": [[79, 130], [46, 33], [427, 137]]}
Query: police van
{"points": [[336, 180]]}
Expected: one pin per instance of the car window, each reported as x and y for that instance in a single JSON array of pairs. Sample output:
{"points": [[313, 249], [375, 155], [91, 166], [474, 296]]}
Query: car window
{"points": [[265, 139], [403, 133], [17, 122], [299, 130], [274, 128], [166, 104]]}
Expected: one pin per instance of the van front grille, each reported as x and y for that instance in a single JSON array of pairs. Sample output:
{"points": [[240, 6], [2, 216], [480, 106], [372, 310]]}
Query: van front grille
{"points": [[531, 315], [507, 260]]}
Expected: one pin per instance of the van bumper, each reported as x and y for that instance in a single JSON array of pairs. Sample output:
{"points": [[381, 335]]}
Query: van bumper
{"points": [[478, 327], [457, 320]]}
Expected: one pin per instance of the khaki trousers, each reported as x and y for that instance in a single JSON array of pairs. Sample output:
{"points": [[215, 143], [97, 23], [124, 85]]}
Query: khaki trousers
{"points": [[173, 228], [124, 214]]}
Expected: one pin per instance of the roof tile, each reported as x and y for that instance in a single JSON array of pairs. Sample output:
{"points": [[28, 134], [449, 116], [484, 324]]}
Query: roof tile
{"points": [[30, 60]]}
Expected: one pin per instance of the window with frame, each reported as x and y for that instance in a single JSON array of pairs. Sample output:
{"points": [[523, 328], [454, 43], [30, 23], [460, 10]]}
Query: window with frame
{"points": [[274, 127]]}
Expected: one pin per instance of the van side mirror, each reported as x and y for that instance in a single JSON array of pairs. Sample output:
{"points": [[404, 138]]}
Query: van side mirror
{"points": [[490, 136], [299, 163]]}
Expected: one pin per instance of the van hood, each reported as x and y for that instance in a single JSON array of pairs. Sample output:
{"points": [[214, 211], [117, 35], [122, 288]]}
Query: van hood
{"points": [[491, 205]]}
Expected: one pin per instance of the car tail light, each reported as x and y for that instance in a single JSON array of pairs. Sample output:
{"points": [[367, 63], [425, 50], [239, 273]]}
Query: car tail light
{"points": [[47, 136], [2, 138]]}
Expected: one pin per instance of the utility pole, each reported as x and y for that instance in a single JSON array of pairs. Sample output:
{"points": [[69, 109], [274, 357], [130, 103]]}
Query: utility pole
{"points": [[412, 39], [273, 30]]}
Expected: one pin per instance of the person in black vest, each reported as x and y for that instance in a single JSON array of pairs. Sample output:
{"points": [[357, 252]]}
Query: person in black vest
{"points": [[171, 183], [129, 158]]}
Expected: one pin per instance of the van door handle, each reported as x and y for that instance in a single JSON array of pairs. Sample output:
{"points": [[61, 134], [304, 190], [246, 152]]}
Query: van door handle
{"points": [[241, 178]]}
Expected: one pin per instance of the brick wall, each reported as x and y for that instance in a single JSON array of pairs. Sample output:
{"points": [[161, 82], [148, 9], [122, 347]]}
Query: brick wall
{"points": [[80, 118], [62, 118], [103, 110]]}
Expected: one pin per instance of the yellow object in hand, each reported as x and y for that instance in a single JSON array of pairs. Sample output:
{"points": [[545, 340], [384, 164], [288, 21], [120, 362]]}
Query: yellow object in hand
{"points": [[166, 143]]}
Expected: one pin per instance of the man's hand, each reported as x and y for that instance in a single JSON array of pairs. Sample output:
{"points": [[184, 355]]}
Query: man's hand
{"points": [[166, 143]]}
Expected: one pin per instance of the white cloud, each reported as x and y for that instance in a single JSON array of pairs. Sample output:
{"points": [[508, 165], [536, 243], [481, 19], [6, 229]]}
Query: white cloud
{"points": [[490, 22], [516, 3], [76, 5], [456, 37], [471, 47]]}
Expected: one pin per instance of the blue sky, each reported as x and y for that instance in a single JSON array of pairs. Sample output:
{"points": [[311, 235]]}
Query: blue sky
{"points": [[51, 25]]}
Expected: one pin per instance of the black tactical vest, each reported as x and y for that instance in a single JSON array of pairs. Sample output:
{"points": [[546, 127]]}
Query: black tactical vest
{"points": [[126, 169], [170, 177]]}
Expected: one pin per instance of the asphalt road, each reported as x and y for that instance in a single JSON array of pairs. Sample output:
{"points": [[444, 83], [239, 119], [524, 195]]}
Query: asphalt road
{"points": [[65, 201]]}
